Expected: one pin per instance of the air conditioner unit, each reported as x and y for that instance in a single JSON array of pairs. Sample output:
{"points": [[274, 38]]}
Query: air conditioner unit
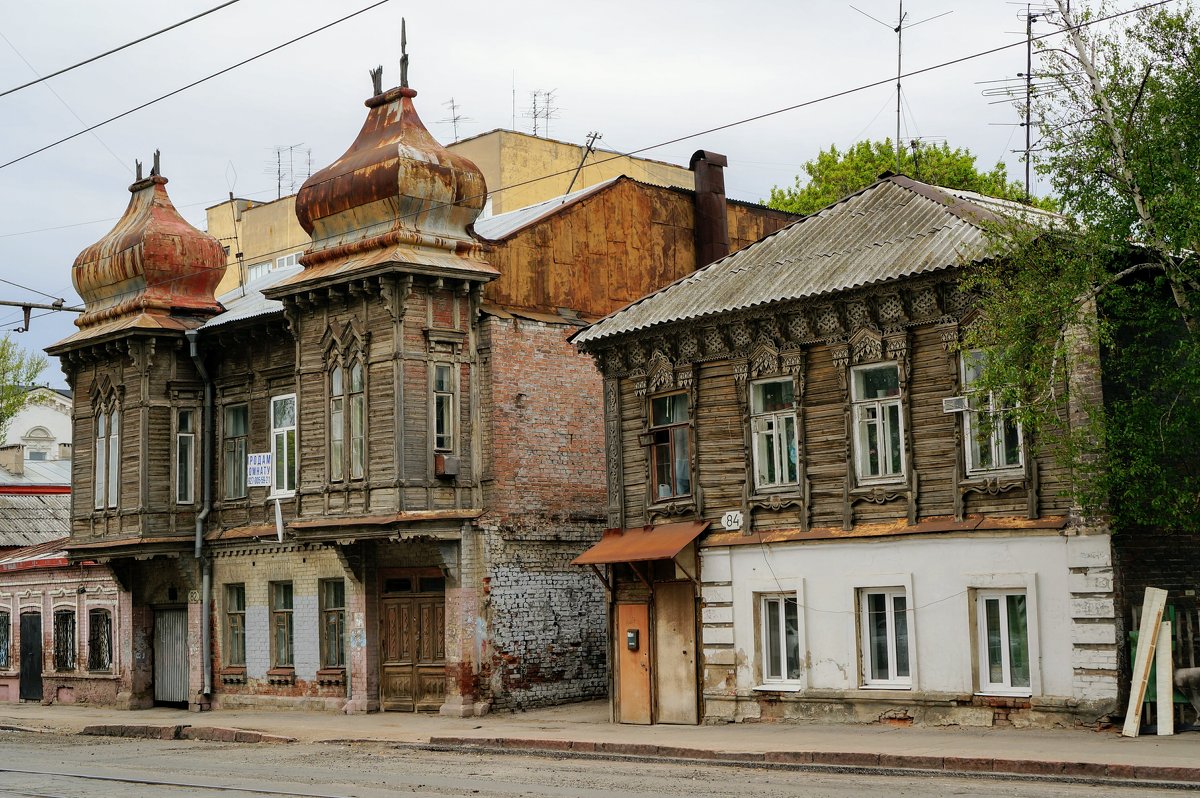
{"points": [[956, 404], [445, 465]]}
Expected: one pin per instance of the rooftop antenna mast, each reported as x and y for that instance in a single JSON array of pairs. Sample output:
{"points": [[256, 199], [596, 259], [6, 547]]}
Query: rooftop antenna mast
{"points": [[455, 117], [898, 29]]}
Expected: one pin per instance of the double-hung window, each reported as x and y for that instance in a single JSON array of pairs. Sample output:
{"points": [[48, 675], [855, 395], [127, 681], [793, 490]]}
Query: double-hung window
{"points": [[993, 436], [287, 260], [670, 456], [185, 457], [443, 407], [107, 459], [114, 457], [333, 623], [781, 638], [281, 625], [883, 619], [773, 427], [878, 423], [257, 271], [283, 443], [101, 458], [1003, 634], [337, 425], [64, 640], [235, 626], [99, 640], [343, 392], [233, 430]]}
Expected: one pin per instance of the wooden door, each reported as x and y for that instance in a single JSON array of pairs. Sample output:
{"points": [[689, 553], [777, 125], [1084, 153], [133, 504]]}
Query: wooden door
{"points": [[633, 664], [170, 656], [413, 653], [676, 695], [31, 657]]}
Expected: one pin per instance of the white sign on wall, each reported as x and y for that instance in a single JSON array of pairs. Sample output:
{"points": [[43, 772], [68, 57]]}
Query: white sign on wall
{"points": [[732, 520], [258, 470]]}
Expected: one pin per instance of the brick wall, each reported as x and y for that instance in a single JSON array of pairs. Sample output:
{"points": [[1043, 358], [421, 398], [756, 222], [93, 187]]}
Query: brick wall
{"points": [[545, 496]]}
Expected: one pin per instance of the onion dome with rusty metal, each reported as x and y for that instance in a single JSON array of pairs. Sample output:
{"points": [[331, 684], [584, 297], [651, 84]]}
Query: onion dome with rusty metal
{"points": [[152, 270], [396, 196]]}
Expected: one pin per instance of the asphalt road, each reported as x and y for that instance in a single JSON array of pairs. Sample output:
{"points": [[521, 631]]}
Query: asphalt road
{"points": [[50, 766]]}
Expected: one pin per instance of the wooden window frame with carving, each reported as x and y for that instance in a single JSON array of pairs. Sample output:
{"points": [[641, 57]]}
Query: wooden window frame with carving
{"points": [[346, 420], [985, 405], [185, 455], [650, 440], [881, 405], [792, 413]]}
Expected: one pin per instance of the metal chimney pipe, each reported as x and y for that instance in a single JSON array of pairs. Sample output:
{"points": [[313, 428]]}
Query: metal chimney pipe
{"points": [[712, 221]]}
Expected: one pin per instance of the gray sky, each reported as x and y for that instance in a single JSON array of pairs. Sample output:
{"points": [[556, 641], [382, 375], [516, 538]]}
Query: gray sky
{"points": [[638, 72]]}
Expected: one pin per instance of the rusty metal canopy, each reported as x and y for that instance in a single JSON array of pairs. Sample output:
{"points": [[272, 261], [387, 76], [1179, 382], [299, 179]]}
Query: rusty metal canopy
{"points": [[642, 543]]}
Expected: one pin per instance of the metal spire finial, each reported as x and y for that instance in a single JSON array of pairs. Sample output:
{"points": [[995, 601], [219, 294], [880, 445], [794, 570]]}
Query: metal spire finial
{"points": [[377, 80], [403, 53]]}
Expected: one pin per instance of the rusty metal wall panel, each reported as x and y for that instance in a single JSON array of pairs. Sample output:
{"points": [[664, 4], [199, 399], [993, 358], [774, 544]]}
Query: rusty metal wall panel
{"points": [[633, 667], [675, 683], [170, 655]]}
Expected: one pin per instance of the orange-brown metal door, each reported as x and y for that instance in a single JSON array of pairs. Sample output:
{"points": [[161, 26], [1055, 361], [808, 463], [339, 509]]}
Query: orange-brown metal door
{"points": [[633, 665], [675, 683], [413, 653]]}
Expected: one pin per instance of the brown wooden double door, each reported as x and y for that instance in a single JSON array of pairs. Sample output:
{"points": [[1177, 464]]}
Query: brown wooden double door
{"points": [[413, 652]]}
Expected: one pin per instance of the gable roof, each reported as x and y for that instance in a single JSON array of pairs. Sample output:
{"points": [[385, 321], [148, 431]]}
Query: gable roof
{"points": [[501, 226], [896, 227]]}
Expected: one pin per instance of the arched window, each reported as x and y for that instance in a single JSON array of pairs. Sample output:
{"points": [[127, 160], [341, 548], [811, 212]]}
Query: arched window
{"points": [[357, 422], [347, 421], [99, 640], [337, 425]]}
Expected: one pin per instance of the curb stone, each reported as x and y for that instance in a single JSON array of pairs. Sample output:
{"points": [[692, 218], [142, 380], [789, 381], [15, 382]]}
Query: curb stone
{"points": [[1047, 769], [208, 733]]}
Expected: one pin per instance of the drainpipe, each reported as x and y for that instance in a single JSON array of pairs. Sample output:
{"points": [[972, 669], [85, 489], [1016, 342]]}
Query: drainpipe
{"points": [[712, 222], [206, 455]]}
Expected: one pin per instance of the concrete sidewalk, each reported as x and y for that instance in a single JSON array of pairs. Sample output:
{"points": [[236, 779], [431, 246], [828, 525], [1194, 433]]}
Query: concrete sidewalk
{"points": [[584, 730]]}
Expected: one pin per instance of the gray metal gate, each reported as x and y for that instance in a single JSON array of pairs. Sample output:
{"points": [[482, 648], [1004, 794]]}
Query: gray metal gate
{"points": [[170, 655]]}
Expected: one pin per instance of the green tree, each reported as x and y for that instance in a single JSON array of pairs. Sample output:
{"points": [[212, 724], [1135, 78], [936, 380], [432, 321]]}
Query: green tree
{"points": [[835, 174], [18, 370], [1121, 147]]}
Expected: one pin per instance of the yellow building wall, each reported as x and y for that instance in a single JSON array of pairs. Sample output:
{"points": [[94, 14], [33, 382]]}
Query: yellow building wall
{"points": [[264, 233]]}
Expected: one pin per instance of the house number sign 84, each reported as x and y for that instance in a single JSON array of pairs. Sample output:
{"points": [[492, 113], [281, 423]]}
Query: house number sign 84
{"points": [[732, 520]]}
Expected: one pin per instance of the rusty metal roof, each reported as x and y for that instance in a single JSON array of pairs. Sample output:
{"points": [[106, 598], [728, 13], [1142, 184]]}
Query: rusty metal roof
{"points": [[642, 543], [496, 228], [897, 227], [248, 302]]}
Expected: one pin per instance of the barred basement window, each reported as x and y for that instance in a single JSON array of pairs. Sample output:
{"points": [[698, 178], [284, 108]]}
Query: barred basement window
{"points": [[333, 623], [64, 640], [281, 625], [5, 639], [99, 640], [235, 625]]}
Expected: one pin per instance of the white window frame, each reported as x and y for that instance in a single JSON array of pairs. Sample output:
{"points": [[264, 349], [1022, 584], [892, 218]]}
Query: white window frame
{"points": [[337, 423], [974, 657], [257, 271], [781, 676], [1004, 687], [444, 440], [773, 425], [280, 466], [986, 406], [894, 680], [284, 261], [185, 457], [114, 458], [100, 458], [878, 406]]}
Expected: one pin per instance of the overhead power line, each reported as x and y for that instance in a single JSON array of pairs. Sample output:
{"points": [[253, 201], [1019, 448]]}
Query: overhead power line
{"points": [[726, 126], [64, 70], [192, 84]]}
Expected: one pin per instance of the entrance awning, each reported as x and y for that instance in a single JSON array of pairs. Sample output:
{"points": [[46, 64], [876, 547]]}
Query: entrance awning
{"points": [[643, 543]]}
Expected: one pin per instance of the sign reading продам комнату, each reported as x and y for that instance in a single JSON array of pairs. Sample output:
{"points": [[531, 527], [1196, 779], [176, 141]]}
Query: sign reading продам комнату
{"points": [[258, 470]]}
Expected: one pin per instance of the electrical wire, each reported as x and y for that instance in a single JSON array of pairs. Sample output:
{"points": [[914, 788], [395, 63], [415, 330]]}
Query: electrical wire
{"points": [[615, 156], [64, 70], [192, 84], [34, 290]]}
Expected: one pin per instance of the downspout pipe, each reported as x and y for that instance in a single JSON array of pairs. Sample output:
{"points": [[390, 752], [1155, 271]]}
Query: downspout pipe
{"points": [[206, 458]]}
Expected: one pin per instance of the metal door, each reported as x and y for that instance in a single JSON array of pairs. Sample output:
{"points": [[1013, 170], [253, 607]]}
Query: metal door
{"points": [[170, 656], [675, 684], [412, 653], [31, 657]]}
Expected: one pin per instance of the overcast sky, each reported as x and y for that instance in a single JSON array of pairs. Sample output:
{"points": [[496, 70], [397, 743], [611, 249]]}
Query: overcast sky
{"points": [[640, 73]]}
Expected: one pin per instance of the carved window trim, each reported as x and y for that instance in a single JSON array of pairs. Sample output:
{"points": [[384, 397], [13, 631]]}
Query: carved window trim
{"points": [[861, 422], [106, 451], [184, 463], [780, 437], [982, 405], [234, 448], [667, 434]]}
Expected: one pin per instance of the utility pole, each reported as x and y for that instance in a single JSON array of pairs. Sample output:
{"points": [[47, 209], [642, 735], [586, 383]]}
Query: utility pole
{"points": [[588, 149], [27, 307]]}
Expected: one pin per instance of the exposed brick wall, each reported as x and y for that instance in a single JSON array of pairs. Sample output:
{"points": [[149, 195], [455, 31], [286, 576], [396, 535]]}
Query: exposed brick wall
{"points": [[545, 498]]}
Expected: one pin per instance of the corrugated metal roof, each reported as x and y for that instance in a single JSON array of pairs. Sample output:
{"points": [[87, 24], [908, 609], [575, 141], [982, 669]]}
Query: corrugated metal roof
{"points": [[49, 553], [495, 228], [30, 519], [897, 227], [39, 472], [238, 307]]}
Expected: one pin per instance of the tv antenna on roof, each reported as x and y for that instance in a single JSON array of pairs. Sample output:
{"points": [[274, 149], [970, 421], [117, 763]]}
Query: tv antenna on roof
{"points": [[901, 25]]}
